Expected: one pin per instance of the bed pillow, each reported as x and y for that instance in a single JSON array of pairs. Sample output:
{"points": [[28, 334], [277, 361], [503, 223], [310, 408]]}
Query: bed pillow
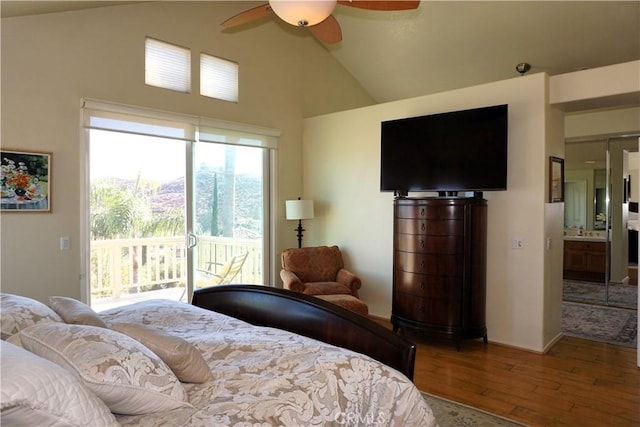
{"points": [[182, 357], [18, 312], [128, 377], [75, 312], [38, 392], [15, 340]]}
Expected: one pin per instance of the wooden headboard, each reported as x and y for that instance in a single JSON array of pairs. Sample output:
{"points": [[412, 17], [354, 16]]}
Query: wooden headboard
{"points": [[311, 317]]}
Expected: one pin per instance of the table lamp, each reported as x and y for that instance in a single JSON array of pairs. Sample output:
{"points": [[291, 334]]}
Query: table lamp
{"points": [[299, 209]]}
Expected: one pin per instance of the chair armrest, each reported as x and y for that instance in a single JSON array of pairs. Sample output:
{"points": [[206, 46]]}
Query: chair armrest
{"points": [[207, 273], [349, 279], [291, 281]]}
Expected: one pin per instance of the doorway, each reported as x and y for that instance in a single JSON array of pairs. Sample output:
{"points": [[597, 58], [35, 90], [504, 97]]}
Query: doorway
{"points": [[599, 221], [600, 242]]}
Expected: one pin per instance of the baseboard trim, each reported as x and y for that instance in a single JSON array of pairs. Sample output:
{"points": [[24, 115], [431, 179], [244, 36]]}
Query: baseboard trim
{"points": [[553, 342], [387, 322]]}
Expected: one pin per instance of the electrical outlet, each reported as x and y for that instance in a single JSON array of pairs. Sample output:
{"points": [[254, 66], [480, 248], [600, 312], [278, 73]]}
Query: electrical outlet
{"points": [[517, 243]]}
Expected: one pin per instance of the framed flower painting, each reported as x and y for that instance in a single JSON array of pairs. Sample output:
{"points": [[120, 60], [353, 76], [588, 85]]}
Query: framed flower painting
{"points": [[25, 181]]}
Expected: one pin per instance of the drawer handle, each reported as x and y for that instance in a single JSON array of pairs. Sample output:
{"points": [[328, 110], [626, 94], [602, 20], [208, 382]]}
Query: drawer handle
{"points": [[421, 211], [422, 285], [423, 226], [422, 243], [422, 264]]}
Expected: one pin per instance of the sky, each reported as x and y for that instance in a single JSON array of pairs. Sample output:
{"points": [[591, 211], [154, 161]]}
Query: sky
{"points": [[115, 154]]}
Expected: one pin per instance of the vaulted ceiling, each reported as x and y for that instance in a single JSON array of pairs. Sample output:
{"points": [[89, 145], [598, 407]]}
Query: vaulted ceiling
{"points": [[444, 45]]}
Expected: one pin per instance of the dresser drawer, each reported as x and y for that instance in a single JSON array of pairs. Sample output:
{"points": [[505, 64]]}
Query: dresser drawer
{"points": [[444, 211], [425, 285], [444, 227], [433, 264], [438, 311], [429, 244]]}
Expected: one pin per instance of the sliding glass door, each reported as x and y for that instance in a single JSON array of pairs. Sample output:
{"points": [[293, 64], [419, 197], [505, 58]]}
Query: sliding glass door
{"points": [[228, 214], [172, 206], [137, 215]]}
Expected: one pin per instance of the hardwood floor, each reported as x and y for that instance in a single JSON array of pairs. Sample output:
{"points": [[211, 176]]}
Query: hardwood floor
{"points": [[577, 383]]}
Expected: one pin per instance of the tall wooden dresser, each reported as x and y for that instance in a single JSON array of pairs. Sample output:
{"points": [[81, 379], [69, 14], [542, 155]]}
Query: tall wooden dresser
{"points": [[439, 267]]}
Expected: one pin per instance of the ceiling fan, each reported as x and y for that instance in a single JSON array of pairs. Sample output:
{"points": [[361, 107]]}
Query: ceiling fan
{"points": [[315, 14]]}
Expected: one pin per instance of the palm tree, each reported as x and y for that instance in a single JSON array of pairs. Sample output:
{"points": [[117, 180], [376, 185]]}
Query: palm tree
{"points": [[121, 211], [124, 212]]}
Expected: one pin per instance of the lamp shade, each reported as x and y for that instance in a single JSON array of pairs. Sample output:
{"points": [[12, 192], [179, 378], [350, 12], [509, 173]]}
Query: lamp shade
{"points": [[303, 13], [299, 209]]}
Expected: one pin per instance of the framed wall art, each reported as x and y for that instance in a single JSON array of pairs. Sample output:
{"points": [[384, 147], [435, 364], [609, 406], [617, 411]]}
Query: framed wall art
{"points": [[556, 179], [25, 181]]}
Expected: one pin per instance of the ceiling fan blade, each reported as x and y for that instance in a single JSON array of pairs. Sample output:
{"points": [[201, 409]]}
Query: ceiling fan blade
{"points": [[328, 31], [247, 16], [381, 4]]}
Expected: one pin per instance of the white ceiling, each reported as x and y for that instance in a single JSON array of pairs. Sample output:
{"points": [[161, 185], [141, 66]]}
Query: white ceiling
{"points": [[444, 45]]}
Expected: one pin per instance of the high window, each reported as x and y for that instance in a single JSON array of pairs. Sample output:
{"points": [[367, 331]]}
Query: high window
{"points": [[167, 66], [218, 78]]}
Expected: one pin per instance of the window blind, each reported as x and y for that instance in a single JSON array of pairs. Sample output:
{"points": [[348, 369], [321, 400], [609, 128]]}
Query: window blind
{"points": [[236, 134], [167, 66], [218, 78], [139, 121], [143, 121]]}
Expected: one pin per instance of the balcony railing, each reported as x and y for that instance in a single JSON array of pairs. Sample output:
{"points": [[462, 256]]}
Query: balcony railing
{"points": [[121, 268]]}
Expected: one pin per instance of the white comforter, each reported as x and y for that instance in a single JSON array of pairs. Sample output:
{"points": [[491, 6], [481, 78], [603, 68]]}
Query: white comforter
{"points": [[270, 377]]}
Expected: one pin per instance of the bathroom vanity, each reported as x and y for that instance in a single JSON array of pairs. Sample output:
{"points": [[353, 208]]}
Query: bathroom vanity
{"points": [[585, 258]]}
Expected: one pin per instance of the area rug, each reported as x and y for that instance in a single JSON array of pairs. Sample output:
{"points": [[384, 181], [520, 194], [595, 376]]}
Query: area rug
{"points": [[600, 323], [594, 293], [453, 414]]}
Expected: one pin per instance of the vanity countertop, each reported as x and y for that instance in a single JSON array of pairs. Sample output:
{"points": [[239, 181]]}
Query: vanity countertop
{"points": [[586, 238]]}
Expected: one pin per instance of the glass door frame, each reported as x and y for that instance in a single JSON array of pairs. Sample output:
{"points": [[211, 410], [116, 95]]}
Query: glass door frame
{"points": [[269, 179], [609, 215], [268, 207]]}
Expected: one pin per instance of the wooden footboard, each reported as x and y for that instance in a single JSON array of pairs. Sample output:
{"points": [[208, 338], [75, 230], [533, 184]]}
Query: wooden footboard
{"points": [[311, 317]]}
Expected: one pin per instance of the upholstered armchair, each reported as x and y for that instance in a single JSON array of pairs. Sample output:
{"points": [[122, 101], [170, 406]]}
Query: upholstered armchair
{"points": [[318, 271]]}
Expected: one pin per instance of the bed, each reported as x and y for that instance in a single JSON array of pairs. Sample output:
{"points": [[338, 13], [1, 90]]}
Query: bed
{"points": [[257, 373], [311, 317]]}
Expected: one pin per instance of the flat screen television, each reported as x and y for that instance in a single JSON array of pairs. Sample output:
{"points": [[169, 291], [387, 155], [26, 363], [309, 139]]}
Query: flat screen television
{"points": [[447, 152]]}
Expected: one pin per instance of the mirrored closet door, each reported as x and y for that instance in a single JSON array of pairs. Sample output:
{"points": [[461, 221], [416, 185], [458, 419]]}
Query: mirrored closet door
{"points": [[601, 221]]}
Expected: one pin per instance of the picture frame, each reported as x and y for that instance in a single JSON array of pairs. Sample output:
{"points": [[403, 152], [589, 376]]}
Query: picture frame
{"points": [[25, 181], [556, 180]]}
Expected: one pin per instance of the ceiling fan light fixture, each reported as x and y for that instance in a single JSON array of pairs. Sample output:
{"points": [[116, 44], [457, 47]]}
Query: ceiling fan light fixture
{"points": [[303, 13]]}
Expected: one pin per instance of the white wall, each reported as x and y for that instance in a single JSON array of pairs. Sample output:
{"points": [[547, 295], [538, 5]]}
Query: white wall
{"points": [[49, 62], [589, 124], [611, 86], [553, 236], [341, 155]]}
